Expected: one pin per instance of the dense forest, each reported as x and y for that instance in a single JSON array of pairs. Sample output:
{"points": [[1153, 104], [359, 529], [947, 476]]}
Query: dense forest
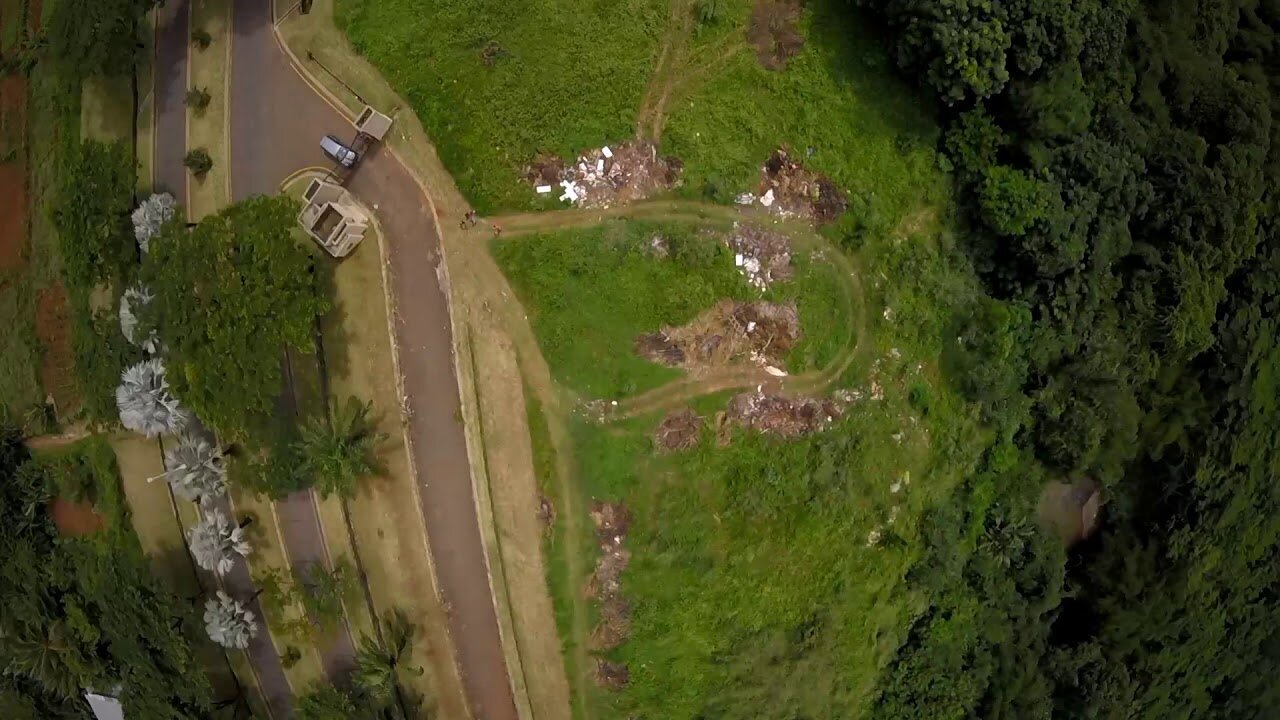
{"points": [[1117, 165]]}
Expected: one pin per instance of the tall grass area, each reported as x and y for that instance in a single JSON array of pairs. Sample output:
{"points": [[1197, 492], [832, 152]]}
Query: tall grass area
{"points": [[590, 292], [496, 83], [837, 105], [756, 586]]}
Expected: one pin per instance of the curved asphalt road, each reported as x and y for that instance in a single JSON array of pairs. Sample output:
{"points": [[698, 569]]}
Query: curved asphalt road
{"points": [[277, 120]]}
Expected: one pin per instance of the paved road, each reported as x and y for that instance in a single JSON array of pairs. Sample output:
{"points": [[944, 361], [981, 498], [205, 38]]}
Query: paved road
{"points": [[172, 41], [276, 124]]}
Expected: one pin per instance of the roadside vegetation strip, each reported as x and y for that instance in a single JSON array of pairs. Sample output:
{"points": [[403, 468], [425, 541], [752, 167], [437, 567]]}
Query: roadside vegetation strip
{"points": [[208, 128], [152, 512], [145, 121], [106, 109]]}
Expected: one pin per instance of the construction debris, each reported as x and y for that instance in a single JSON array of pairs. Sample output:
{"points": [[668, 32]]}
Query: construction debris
{"points": [[679, 430], [611, 675], [611, 521], [783, 416], [730, 333], [629, 171], [789, 189], [762, 256]]}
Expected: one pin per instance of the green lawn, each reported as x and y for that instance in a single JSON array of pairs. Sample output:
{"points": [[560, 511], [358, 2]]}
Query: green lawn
{"points": [[589, 293], [564, 75], [838, 106]]}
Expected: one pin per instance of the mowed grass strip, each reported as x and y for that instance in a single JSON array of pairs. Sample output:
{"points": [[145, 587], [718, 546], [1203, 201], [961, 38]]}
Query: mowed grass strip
{"points": [[590, 292], [208, 128], [497, 84]]}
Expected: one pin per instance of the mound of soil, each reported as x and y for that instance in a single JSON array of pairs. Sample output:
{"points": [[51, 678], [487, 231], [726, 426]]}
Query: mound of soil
{"points": [[783, 416], [611, 675], [75, 519], [774, 32], [731, 332], [546, 512], [611, 521], [679, 430], [787, 187], [57, 359], [622, 173], [763, 257]]}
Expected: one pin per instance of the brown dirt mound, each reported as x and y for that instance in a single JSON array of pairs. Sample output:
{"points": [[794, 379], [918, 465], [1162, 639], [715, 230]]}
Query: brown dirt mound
{"points": [[782, 416], [75, 519], [13, 171], [762, 256], [731, 332], [679, 430], [612, 675], [546, 512], [57, 360], [774, 33], [797, 190], [611, 521], [631, 170]]}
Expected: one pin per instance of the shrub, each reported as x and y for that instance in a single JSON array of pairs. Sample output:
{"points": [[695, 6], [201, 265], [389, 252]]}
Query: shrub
{"points": [[201, 38], [198, 162], [197, 99]]}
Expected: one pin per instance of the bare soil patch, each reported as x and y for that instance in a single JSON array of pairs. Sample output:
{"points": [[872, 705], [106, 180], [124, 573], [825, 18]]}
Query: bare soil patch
{"points": [[629, 171], [75, 519], [790, 189], [611, 521], [13, 172], [57, 360], [612, 675], [1071, 509], [762, 256], [679, 430], [782, 416], [774, 32], [730, 333]]}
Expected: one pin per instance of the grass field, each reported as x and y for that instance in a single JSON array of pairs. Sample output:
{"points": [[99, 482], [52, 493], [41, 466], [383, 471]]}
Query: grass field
{"points": [[591, 292], [837, 105], [106, 109], [11, 15], [495, 85]]}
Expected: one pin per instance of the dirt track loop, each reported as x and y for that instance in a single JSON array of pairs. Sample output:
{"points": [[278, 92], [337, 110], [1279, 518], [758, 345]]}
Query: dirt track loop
{"points": [[277, 121]]}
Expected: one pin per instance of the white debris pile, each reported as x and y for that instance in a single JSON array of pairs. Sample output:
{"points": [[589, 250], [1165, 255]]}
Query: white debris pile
{"points": [[763, 257], [629, 171]]}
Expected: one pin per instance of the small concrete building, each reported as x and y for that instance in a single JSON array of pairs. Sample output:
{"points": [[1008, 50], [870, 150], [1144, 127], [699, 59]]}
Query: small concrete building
{"points": [[332, 218]]}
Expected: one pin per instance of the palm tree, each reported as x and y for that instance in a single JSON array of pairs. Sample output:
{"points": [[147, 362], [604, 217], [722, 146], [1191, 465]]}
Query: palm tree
{"points": [[337, 448], [378, 660], [198, 471], [131, 302], [229, 623], [145, 403], [151, 216], [215, 542]]}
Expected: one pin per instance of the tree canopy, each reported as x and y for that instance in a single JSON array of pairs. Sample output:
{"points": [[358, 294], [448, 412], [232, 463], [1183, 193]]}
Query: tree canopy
{"points": [[230, 295]]}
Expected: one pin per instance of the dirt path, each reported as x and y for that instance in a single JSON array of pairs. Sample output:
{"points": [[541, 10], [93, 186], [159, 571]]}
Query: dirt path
{"points": [[675, 46]]}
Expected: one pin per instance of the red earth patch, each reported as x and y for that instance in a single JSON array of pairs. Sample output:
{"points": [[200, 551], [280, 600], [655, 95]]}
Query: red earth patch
{"points": [[13, 172], [57, 361], [75, 519]]}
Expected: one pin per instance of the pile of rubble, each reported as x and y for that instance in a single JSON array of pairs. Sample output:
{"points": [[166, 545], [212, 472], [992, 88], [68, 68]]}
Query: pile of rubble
{"points": [[789, 189], [623, 173], [679, 430], [611, 521], [783, 416], [763, 257], [760, 333]]}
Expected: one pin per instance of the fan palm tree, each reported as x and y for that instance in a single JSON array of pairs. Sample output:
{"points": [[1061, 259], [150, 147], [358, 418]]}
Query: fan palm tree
{"points": [[215, 542], [131, 302], [151, 216], [337, 448], [197, 469], [378, 660], [145, 403], [228, 622]]}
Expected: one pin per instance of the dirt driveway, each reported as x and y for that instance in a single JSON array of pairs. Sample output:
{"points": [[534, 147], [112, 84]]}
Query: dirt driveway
{"points": [[277, 121]]}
